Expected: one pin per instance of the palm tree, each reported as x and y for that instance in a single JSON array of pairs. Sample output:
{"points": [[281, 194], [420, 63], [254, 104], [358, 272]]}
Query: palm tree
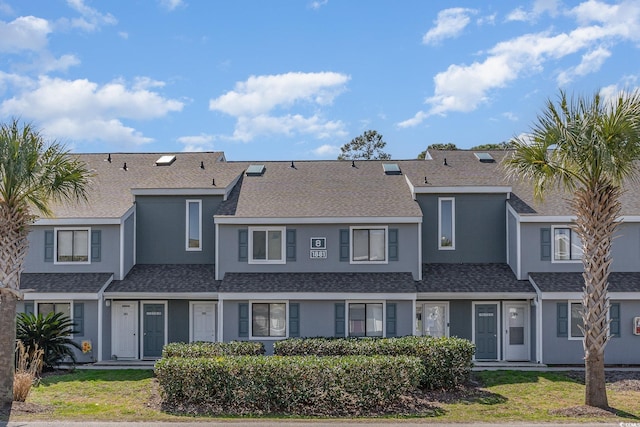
{"points": [[32, 175], [588, 147]]}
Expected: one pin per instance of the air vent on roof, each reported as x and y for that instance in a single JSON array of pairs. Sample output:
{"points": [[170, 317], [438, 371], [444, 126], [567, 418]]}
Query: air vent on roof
{"points": [[255, 170], [165, 160], [391, 169], [484, 157]]}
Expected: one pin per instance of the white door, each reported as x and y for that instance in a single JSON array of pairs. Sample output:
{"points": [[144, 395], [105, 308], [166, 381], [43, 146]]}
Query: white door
{"points": [[203, 321], [432, 319], [516, 332], [124, 326]]}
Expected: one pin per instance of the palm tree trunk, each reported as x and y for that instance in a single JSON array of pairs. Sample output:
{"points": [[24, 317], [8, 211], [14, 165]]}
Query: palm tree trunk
{"points": [[598, 209], [14, 229]]}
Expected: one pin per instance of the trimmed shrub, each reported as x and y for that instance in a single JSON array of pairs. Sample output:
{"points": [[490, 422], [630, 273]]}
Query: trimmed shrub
{"points": [[308, 385], [447, 361], [213, 349]]}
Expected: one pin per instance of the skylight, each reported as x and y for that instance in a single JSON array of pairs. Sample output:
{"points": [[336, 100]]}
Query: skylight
{"points": [[391, 169], [255, 170], [484, 157], [165, 160]]}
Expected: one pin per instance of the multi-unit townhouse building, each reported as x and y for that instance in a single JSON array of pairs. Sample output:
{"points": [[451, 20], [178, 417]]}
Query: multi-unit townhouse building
{"points": [[192, 247]]}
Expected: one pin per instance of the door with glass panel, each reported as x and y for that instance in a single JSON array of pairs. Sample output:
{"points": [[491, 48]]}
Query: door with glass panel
{"points": [[432, 318], [516, 331]]}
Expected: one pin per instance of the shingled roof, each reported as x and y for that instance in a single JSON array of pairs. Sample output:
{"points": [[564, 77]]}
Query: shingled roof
{"points": [[64, 282], [167, 278], [471, 278], [369, 283], [573, 282], [305, 189]]}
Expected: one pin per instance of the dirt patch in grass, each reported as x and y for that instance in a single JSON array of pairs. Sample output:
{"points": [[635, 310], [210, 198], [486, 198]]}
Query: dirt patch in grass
{"points": [[27, 408], [616, 380], [583, 411]]}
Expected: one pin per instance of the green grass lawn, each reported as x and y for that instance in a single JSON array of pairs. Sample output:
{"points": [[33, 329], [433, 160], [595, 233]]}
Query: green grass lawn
{"points": [[505, 396]]}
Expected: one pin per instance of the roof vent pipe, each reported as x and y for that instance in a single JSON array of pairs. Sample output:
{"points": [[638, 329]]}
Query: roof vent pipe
{"points": [[353, 163], [124, 167], [213, 182], [445, 162], [425, 180], [201, 165], [109, 158], [292, 165]]}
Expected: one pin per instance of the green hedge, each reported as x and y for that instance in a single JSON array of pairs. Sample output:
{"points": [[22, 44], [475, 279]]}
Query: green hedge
{"points": [[308, 385], [214, 349], [447, 361]]}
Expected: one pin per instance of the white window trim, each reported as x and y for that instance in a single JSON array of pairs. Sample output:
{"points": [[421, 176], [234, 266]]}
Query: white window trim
{"points": [[186, 243], [37, 303], [283, 242], [55, 245], [422, 304], [286, 320], [373, 227], [453, 224], [553, 245], [384, 316]]}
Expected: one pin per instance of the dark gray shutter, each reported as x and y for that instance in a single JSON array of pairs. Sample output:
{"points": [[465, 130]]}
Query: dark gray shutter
{"points": [[243, 245], [243, 319], [393, 244], [294, 319], [291, 245], [614, 316], [344, 244], [96, 239], [562, 319], [78, 318], [29, 308], [48, 246], [391, 320], [545, 244], [340, 319]]}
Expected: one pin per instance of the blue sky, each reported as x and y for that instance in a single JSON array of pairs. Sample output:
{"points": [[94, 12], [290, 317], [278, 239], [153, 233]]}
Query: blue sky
{"points": [[280, 80]]}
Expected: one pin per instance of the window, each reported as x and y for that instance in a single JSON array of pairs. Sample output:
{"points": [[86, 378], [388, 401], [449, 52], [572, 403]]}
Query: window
{"points": [[72, 245], [269, 320], [266, 245], [432, 319], [194, 225], [44, 308], [365, 320], [446, 223], [566, 245], [576, 320], [369, 245]]}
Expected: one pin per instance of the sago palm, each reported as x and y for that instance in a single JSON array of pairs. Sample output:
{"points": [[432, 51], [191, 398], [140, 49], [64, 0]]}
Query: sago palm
{"points": [[33, 173], [50, 333], [589, 148]]}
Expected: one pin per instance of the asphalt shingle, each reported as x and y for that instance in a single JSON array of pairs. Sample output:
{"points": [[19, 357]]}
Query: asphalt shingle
{"points": [[481, 278], [573, 282], [64, 282], [167, 278]]}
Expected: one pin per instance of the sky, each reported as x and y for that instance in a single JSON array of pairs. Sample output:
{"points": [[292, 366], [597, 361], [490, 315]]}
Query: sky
{"points": [[297, 79]]}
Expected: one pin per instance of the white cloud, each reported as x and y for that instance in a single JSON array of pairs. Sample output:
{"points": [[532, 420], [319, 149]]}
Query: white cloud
{"points": [[83, 110], [123, 35], [511, 59], [510, 116], [254, 103], [449, 24], [5, 8], [90, 20], [591, 62], [327, 150], [24, 33], [539, 7], [317, 4], [144, 83], [200, 142], [172, 5]]}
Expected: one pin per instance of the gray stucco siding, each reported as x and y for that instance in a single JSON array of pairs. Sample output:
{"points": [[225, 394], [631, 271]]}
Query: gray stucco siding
{"points": [[480, 231], [460, 319], [178, 320], [512, 235], [109, 248], [408, 260], [161, 230], [129, 248], [625, 250]]}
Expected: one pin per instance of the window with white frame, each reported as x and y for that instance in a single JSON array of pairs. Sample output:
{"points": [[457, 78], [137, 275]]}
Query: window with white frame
{"points": [[267, 245], [194, 225], [45, 308], [575, 320], [567, 245], [446, 223], [72, 245], [432, 319], [269, 320], [369, 245], [366, 319]]}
